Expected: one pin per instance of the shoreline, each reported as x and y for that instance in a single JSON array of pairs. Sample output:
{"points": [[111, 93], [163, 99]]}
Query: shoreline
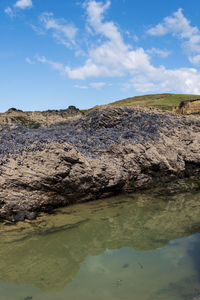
{"points": [[107, 152]]}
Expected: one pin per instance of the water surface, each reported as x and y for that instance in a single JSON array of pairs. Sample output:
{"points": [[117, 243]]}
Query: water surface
{"points": [[141, 246]]}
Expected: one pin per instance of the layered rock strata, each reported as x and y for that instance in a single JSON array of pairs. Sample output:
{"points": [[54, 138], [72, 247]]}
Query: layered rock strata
{"points": [[188, 107], [107, 152]]}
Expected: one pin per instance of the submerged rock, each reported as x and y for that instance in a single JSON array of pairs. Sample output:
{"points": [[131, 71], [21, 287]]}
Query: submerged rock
{"points": [[110, 150]]}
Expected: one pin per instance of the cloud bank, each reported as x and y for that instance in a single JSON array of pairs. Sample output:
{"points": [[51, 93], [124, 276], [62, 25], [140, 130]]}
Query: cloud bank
{"points": [[178, 26], [113, 57]]}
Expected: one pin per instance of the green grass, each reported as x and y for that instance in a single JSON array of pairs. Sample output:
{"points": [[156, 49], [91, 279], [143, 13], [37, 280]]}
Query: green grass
{"points": [[161, 101], [86, 111], [26, 122]]}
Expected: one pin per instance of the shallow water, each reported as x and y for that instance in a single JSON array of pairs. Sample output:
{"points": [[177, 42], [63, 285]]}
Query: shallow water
{"points": [[141, 246]]}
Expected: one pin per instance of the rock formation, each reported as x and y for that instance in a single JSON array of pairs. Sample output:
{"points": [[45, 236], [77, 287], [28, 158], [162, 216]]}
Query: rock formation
{"points": [[36, 119], [106, 152], [188, 107]]}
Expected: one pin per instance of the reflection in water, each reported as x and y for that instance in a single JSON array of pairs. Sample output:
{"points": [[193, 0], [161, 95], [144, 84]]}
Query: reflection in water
{"points": [[141, 246]]}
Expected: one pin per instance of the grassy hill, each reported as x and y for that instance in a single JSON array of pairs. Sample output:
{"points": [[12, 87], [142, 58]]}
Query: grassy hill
{"points": [[50, 117], [161, 101]]}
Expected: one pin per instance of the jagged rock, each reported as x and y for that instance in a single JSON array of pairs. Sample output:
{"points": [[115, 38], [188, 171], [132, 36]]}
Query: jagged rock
{"points": [[12, 109], [73, 109], [109, 151]]}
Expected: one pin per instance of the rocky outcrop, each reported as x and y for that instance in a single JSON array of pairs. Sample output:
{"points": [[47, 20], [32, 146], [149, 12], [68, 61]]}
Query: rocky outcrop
{"points": [[14, 117], [188, 107], [107, 152]]}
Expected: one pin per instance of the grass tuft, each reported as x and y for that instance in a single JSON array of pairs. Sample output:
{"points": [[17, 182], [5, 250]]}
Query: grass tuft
{"points": [[26, 122]]}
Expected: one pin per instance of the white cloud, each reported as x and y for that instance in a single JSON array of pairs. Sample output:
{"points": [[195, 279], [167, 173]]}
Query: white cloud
{"points": [[38, 30], [97, 85], [158, 30], [176, 24], [179, 26], [114, 58], [23, 4], [195, 60], [135, 38], [9, 11], [55, 65], [63, 32], [111, 58], [183, 80], [82, 87], [159, 52], [20, 4], [29, 61]]}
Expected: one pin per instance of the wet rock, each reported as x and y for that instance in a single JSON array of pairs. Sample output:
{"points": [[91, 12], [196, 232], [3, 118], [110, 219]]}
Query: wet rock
{"points": [[125, 266]]}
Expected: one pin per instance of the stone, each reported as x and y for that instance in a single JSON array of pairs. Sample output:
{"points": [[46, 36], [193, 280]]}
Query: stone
{"points": [[188, 107], [107, 152]]}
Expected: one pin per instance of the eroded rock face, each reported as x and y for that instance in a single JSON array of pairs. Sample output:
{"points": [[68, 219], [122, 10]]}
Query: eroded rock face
{"points": [[188, 107], [107, 152]]}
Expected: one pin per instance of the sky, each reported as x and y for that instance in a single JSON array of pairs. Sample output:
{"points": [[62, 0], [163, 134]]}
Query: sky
{"points": [[56, 53]]}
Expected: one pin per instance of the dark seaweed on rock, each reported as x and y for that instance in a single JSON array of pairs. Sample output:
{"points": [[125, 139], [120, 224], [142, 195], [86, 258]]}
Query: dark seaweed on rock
{"points": [[106, 152], [98, 130]]}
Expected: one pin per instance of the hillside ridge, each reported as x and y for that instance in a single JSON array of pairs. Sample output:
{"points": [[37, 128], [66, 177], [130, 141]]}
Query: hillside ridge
{"points": [[178, 103]]}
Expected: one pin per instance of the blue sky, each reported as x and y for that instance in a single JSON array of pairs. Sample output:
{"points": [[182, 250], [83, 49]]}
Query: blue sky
{"points": [[56, 53]]}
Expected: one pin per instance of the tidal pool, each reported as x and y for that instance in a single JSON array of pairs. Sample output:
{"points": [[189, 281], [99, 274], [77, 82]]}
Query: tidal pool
{"points": [[136, 247]]}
